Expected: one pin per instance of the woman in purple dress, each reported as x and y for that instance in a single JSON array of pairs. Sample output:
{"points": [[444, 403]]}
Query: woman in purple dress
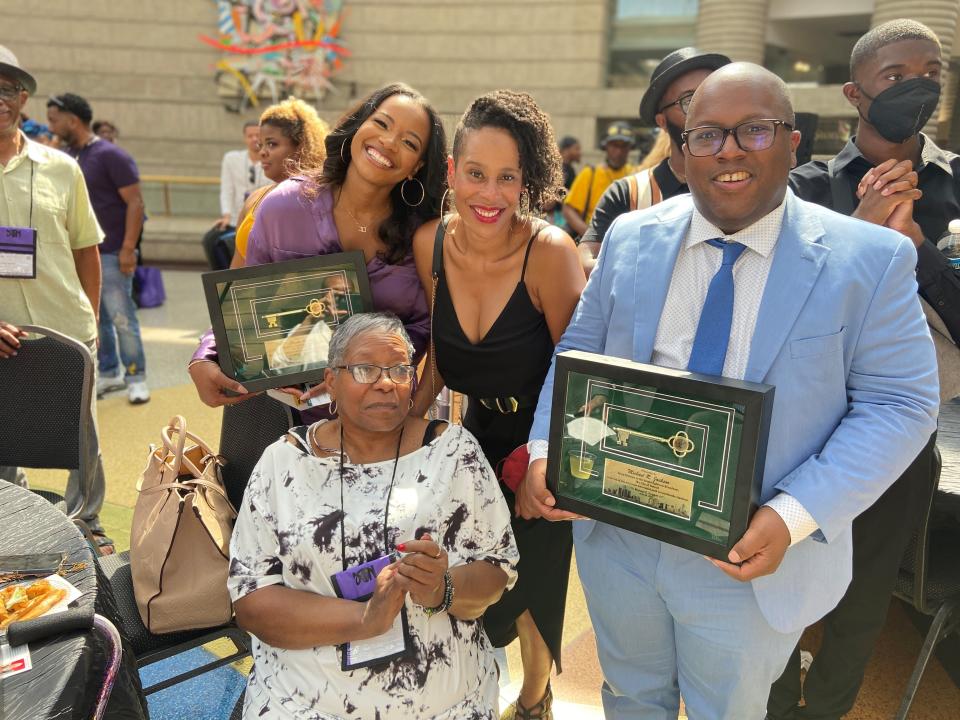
{"points": [[383, 177]]}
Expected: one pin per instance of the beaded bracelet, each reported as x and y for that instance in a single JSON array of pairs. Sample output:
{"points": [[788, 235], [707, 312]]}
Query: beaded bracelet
{"points": [[447, 597]]}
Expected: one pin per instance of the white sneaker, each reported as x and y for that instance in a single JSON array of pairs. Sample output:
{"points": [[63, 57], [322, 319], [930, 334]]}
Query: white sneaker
{"points": [[108, 383], [138, 393]]}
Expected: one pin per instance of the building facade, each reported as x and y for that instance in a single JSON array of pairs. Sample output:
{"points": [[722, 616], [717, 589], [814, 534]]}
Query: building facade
{"points": [[143, 66]]}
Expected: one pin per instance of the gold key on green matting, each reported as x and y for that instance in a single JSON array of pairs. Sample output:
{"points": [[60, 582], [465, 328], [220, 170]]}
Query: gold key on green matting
{"points": [[315, 308], [680, 443]]}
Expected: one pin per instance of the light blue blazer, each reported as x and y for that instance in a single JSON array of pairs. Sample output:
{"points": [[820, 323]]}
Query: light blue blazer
{"points": [[841, 335]]}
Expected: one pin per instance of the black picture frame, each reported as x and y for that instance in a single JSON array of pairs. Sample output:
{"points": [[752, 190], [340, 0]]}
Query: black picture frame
{"points": [[736, 412], [240, 300]]}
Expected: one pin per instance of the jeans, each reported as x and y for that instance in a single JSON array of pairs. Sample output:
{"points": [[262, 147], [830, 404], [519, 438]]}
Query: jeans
{"points": [[73, 493], [119, 326]]}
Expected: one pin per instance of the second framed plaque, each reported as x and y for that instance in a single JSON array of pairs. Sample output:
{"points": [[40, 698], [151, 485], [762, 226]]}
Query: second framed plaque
{"points": [[273, 323], [665, 453]]}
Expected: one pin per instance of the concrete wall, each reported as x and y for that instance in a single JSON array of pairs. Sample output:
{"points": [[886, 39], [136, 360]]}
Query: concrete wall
{"points": [[140, 63]]}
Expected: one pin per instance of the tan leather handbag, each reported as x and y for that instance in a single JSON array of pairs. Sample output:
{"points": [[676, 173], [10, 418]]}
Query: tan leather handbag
{"points": [[180, 539]]}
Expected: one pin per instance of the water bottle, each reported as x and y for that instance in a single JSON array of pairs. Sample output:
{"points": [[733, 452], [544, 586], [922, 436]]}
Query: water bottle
{"points": [[949, 244]]}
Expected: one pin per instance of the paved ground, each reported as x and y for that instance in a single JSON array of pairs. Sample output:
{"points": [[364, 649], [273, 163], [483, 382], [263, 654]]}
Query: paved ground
{"points": [[170, 333]]}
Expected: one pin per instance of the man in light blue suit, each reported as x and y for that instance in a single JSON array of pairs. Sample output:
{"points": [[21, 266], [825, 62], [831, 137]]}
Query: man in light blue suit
{"points": [[742, 279]]}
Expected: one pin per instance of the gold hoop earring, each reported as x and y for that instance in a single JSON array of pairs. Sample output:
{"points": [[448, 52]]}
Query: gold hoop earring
{"points": [[403, 188], [443, 199], [333, 407]]}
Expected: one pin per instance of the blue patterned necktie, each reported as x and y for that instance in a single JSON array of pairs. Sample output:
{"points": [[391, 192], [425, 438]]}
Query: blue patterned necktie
{"points": [[713, 331]]}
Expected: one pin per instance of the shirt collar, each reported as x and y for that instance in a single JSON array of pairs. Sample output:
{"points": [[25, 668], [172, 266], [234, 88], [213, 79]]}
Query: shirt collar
{"points": [[761, 237], [930, 153], [28, 149]]}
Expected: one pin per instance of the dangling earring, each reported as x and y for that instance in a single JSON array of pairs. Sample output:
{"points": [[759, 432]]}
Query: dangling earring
{"points": [[403, 189], [342, 145], [523, 207], [333, 407], [411, 403]]}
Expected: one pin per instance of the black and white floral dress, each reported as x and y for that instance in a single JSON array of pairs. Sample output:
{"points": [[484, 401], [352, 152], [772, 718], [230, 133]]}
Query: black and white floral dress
{"points": [[288, 532]]}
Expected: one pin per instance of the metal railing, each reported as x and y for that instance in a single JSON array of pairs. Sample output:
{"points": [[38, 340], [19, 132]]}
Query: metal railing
{"points": [[160, 192]]}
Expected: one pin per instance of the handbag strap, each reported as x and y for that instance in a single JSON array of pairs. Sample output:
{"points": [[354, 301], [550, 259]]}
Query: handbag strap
{"points": [[189, 485], [178, 426]]}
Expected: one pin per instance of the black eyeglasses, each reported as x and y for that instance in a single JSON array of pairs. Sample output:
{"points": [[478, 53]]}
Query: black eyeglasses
{"points": [[683, 102], [751, 136], [9, 92], [366, 374]]}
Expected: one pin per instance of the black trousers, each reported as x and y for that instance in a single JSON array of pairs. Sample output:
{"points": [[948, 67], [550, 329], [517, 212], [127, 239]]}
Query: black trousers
{"points": [[850, 630]]}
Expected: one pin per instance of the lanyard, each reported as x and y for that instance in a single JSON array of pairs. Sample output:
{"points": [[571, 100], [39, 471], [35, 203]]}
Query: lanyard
{"points": [[386, 509], [33, 167]]}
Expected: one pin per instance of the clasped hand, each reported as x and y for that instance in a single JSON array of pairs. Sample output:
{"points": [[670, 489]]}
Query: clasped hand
{"points": [[887, 193]]}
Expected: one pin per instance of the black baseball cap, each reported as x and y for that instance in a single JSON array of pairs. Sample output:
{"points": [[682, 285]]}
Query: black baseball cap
{"points": [[73, 104], [677, 63], [618, 130]]}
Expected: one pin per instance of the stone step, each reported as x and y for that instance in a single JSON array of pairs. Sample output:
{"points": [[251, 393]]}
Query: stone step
{"points": [[172, 239]]}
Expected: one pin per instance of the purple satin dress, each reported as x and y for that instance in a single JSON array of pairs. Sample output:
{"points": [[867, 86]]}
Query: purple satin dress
{"points": [[290, 225]]}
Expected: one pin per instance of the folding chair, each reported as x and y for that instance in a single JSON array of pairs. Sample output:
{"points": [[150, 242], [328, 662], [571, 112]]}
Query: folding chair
{"points": [[246, 431], [929, 580], [49, 382]]}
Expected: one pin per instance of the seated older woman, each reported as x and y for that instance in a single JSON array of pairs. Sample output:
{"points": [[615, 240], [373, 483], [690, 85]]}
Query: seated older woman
{"points": [[372, 502]]}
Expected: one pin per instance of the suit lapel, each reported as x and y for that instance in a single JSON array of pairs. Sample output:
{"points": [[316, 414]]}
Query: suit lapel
{"points": [[797, 261], [656, 255]]}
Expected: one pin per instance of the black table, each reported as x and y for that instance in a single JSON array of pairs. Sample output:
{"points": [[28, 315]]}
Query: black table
{"points": [[947, 500], [67, 669]]}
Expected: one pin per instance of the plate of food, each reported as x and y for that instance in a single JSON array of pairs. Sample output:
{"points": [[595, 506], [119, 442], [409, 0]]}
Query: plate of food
{"points": [[32, 599]]}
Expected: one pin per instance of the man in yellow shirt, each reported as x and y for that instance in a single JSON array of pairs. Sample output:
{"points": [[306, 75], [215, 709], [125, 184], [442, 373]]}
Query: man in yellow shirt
{"points": [[42, 191], [591, 182]]}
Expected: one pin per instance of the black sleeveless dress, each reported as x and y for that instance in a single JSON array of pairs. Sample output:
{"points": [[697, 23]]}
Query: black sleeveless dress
{"points": [[511, 360]]}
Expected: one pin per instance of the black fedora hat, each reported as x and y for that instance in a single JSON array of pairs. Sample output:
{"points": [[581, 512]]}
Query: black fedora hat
{"points": [[677, 63], [10, 66]]}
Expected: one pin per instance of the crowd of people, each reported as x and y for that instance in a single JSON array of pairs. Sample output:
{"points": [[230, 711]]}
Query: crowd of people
{"points": [[717, 256]]}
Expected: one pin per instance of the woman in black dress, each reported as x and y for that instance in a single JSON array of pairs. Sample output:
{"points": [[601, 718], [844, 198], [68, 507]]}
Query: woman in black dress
{"points": [[503, 286]]}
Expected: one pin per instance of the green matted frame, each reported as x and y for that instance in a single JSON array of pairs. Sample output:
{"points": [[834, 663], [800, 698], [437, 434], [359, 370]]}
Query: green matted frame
{"points": [[666, 453], [273, 322]]}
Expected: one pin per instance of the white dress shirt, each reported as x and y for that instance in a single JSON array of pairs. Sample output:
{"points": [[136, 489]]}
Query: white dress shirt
{"points": [[239, 176], [697, 263]]}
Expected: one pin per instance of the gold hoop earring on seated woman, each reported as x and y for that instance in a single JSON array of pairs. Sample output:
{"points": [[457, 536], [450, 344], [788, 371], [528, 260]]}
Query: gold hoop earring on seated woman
{"points": [[403, 189], [333, 407]]}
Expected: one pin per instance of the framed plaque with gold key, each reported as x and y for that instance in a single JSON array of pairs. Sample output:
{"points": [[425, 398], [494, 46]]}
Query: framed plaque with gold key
{"points": [[665, 453], [273, 322]]}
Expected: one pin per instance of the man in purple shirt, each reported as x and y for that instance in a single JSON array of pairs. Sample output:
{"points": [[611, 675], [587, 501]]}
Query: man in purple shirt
{"points": [[114, 186]]}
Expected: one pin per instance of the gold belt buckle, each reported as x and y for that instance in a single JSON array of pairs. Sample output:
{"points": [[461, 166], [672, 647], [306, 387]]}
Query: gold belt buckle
{"points": [[507, 405]]}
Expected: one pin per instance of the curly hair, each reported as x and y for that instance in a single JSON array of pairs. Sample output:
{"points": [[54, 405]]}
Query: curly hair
{"points": [[300, 123], [519, 114], [396, 231]]}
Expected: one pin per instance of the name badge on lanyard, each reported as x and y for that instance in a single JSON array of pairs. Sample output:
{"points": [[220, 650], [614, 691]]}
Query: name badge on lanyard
{"points": [[18, 245], [18, 252]]}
